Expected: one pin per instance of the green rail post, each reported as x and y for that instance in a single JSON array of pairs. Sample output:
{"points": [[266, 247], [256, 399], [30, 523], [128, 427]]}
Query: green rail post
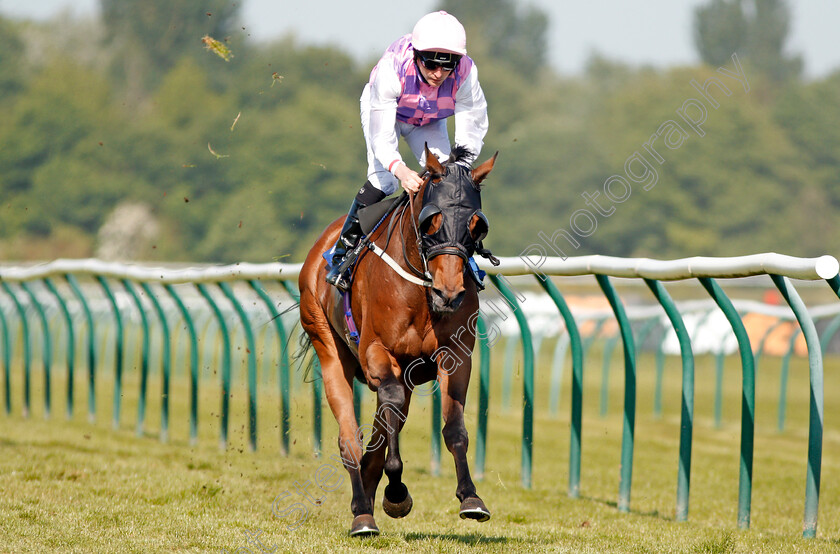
{"points": [[317, 381], [687, 408], [223, 330], [46, 345], [660, 376], [507, 379], [719, 363], [747, 399], [557, 365], [538, 341], [483, 396], [71, 343], [783, 380], [609, 347], [118, 369], [762, 343], [91, 344], [528, 389], [587, 344], [660, 366], [194, 382], [144, 357], [645, 331], [166, 359], [7, 363], [577, 383], [815, 427], [628, 435], [27, 354], [436, 430], [358, 396], [285, 417], [829, 332], [252, 364]]}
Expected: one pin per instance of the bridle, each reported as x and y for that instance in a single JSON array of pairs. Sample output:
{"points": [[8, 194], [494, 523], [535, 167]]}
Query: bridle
{"points": [[421, 275], [427, 178]]}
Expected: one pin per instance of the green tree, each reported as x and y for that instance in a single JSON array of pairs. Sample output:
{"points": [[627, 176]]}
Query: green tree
{"points": [[148, 37], [756, 29], [11, 79], [504, 32], [720, 28]]}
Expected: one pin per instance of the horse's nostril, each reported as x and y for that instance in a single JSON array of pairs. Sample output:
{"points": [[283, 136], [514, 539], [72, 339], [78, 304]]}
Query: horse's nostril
{"points": [[449, 298]]}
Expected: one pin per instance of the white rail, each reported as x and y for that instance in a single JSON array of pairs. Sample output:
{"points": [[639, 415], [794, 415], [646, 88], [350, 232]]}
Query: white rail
{"points": [[823, 267]]}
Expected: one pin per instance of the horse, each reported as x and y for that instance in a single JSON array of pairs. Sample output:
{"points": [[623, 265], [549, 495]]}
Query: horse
{"points": [[409, 331]]}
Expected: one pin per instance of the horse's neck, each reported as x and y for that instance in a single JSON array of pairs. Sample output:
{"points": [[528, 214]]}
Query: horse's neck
{"points": [[408, 235]]}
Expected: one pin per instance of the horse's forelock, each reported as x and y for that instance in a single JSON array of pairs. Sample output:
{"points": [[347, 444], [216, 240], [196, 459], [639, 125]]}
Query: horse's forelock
{"points": [[460, 154]]}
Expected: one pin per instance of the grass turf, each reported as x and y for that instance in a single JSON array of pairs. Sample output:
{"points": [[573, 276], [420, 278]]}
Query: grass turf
{"points": [[72, 486]]}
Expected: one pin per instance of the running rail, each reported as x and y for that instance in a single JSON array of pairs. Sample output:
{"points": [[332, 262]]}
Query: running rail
{"points": [[31, 280], [780, 268]]}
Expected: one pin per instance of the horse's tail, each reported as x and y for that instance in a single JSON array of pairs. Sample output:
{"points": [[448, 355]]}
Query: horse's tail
{"points": [[298, 358], [302, 361]]}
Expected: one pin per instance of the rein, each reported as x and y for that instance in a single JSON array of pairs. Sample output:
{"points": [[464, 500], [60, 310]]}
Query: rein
{"points": [[424, 273], [422, 278]]}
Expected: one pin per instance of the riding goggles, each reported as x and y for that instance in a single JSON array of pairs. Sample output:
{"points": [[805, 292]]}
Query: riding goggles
{"points": [[431, 59]]}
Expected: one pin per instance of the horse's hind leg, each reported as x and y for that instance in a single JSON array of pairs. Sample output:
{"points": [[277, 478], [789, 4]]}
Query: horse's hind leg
{"points": [[454, 392], [338, 367]]}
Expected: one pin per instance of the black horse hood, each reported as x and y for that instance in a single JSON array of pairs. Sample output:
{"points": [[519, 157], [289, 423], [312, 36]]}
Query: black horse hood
{"points": [[457, 198]]}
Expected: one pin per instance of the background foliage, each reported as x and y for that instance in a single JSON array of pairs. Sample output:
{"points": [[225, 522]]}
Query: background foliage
{"points": [[248, 160]]}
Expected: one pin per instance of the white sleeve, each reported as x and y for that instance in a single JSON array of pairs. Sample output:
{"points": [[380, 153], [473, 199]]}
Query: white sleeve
{"points": [[471, 121], [384, 93]]}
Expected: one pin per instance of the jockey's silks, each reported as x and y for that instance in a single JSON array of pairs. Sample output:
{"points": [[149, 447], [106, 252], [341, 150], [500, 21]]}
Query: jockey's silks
{"points": [[419, 103]]}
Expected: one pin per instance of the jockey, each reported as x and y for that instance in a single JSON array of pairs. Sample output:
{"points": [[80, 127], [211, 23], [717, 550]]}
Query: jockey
{"points": [[422, 79]]}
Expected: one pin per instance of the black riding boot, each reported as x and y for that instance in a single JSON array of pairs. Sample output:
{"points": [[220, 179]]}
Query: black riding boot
{"points": [[351, 232]]}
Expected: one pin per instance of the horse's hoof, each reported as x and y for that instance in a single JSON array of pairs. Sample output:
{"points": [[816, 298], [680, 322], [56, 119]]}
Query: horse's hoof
{"points": [[474, 508], [400, 508], [364, 526]]}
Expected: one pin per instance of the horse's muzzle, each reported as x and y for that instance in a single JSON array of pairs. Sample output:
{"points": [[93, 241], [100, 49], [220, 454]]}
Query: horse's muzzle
{"points": [[447, 301]]}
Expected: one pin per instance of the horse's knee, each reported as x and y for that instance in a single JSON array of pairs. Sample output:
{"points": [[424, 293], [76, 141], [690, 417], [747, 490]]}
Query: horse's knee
{"points": [[350, 453], [454, 435], [392, 393], [390, 413]]}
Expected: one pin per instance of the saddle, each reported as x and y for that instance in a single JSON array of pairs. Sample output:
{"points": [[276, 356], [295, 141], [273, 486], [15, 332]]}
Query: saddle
{"points": [[370, 218]]}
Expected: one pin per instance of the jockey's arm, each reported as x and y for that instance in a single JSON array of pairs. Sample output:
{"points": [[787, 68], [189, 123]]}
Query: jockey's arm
{"points": [[471, 121], [384, 94]]}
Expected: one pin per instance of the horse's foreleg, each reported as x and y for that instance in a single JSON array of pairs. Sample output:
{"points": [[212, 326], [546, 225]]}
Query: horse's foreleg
{"points": [[453, 396], [392, 409], [392, 412]]}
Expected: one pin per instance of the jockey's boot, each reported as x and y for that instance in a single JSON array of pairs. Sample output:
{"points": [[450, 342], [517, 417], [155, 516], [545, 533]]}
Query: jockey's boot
{"points": [[351, 232]]}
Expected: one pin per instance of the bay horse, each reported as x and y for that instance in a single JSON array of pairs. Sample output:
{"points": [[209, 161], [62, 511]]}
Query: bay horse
{"points": [[410, 332]]}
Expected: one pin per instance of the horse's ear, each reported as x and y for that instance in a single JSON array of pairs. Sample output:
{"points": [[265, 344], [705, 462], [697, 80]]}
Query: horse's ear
{"points": [[480, 172], [433, 165]]}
